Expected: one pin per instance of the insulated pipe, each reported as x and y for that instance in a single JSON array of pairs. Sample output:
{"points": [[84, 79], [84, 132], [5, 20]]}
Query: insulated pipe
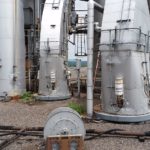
{"points": [[90, 47]]}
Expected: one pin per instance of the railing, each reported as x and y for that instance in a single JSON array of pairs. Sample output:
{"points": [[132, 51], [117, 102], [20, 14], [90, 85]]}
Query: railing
{"points": [[141, 40], [53, 47], [138, 39]]}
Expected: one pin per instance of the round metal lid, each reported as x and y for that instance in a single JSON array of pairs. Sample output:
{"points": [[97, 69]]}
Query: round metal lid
{"points": [[64, 121]]}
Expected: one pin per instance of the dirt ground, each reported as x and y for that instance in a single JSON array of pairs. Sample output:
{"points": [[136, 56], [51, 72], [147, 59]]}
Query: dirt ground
{"points": [[15, 113]]}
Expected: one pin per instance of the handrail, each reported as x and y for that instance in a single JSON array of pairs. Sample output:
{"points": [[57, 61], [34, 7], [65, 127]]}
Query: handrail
{"points": [[138, 41]]}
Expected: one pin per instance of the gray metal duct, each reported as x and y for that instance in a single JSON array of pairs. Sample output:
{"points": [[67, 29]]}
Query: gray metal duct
{"points": [[53, 51], [125, 61]]}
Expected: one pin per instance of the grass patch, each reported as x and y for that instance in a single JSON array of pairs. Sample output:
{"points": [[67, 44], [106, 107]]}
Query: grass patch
{"points": [[77, 107], [26, 97]]}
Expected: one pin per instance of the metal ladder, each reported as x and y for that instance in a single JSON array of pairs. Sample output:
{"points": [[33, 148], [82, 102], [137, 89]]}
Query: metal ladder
{"points": [[97, 77], [80, 45], [81, 49]]}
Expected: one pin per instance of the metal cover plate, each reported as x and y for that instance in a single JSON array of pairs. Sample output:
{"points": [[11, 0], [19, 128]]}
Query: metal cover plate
{"points": [[64, 121]]}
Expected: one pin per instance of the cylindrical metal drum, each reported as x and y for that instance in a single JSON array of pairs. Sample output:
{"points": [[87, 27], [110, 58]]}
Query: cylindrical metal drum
{"points": [[12, 49]]}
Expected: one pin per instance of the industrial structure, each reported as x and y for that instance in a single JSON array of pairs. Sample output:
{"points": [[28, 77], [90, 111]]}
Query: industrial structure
{"points": [[124, 56], [12, 48], [125, 62], [34, 36], [54, 50]]}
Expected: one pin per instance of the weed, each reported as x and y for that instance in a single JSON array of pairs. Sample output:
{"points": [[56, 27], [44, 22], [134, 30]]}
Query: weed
{"points": [[77, 107], [26, 97]]}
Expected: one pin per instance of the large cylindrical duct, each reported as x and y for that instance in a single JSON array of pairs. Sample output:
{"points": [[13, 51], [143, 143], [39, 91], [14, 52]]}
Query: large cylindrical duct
{"points": [[125, 61], [12, 49], [53, 51]]}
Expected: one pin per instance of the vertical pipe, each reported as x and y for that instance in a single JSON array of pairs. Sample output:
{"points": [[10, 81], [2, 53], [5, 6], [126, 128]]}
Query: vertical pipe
{"points": [[121, 18], [37, 9], [78, 67], [40, 9], [90, 48], [34, 44], [78, 70], [90, 45], [129, 9], [34, 25], [15, 38]]}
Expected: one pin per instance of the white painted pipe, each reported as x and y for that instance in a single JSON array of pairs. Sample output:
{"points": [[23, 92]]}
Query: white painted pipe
{"points": [[90, 47], [90, 37]]}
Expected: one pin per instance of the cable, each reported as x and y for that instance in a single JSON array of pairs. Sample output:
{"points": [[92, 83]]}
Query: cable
{"points": [[93, 134], [100, 133], [22, 134]]}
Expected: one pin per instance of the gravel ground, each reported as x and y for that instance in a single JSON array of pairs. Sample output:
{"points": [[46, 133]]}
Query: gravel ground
{"points": [[109, 143], [23, 115]]}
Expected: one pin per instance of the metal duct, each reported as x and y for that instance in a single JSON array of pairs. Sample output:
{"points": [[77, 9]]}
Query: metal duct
{"points": [[12, 49], [125, 61], [53, 51]]}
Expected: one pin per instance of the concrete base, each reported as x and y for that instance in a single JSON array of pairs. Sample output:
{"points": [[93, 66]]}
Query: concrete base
{"points": [[52, 98], [123, 119]]}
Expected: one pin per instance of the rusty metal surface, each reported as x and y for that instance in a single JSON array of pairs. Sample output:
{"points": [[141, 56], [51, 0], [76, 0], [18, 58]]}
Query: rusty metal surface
{"points": [[65, 142]]}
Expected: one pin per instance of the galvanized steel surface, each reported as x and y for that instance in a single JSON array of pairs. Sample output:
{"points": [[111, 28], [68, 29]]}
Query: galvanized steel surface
{"points": [[53, 51], [12, 49], [64, 121], [125, 52]]}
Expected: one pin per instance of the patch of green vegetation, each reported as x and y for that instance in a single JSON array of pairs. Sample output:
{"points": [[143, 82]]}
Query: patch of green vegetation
{"points": [[77, 107], [26, 97]]}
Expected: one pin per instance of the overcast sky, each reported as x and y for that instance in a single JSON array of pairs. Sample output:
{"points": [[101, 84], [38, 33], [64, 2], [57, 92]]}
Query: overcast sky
{"points": [[80, 5]]}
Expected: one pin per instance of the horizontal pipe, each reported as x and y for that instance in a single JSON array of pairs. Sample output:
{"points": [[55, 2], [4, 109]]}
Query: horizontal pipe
{"points": [[81, 27]]}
